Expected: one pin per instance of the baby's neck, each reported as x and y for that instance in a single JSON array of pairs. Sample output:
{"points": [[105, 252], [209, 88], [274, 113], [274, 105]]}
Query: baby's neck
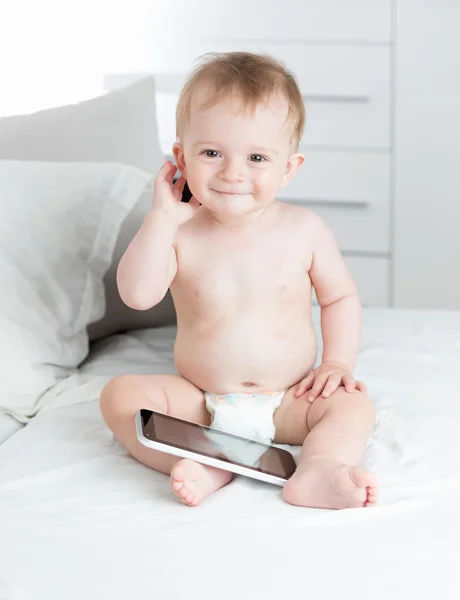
{"points": [[246, 221]]}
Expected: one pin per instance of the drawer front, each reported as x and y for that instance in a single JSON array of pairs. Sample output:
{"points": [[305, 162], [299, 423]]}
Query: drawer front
{"points": [[371, 276], [346, 89], [326, 20], [350, 191]]}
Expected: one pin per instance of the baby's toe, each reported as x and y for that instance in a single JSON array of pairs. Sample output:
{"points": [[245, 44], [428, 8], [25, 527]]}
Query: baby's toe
{"points": [[371, 496], [189, 499], [176, 485], [360, 477], [184, 491], [372, 491], [365, 481]]}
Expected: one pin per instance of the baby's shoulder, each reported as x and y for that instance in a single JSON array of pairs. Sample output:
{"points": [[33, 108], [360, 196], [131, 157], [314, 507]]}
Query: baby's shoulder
{"points": [[299, 217]]}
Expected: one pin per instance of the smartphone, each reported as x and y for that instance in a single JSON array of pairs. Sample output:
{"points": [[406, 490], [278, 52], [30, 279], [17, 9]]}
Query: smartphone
{"points": [[186, 193], [215, 448]]}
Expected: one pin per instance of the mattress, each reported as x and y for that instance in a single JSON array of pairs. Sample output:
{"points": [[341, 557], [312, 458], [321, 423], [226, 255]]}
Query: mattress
{"points": [[80, 518]]}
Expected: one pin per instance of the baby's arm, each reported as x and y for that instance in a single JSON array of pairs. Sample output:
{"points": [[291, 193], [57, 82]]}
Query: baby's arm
{"points": [[337, 296], [149, 264]]}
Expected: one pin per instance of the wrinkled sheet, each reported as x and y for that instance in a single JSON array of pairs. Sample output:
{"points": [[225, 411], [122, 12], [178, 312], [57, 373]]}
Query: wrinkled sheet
{"points": [[80, 518]]}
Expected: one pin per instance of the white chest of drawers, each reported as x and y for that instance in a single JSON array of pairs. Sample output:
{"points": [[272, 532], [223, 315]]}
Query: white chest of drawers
{"points": [[341, 54]]}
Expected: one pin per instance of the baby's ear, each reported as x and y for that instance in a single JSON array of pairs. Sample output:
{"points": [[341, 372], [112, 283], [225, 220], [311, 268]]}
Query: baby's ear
{"points": [[179, 157], [293, 165]]}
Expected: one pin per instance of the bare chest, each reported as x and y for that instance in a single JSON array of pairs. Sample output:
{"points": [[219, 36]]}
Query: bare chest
{"points": [[242, 273]]}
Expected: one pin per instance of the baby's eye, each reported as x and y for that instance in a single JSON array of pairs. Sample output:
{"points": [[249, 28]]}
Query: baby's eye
{"points": [[258, 158], [211, 153]]}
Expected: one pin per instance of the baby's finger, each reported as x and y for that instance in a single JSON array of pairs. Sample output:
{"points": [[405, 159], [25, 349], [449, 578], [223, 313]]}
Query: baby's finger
{"points": [[194, 202], [305, 384], [317, 388], [170, 174], [166, 173], [359, 385], [178, 187], [332, 384], [349, 383]]}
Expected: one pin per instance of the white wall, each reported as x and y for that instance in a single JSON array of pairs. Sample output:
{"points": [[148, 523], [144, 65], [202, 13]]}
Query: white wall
{"points": [[55, 52], [427, 155]]}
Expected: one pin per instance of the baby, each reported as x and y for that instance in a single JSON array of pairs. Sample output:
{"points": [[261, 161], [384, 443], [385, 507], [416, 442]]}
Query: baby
{"points": [[241, 266]]}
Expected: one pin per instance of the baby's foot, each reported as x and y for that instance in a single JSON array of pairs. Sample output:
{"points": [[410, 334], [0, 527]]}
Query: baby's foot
{"points": [[322, 483], [192, 482]]}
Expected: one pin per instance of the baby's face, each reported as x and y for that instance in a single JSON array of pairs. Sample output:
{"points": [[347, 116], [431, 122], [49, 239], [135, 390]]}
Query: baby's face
{"points": [[235, 163]]}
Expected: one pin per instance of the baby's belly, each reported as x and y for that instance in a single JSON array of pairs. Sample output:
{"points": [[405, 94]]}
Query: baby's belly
{"points": [[245, 355]]}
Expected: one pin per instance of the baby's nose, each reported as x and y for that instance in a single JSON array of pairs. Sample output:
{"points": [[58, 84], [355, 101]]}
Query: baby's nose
{"points": [[231, 172]]}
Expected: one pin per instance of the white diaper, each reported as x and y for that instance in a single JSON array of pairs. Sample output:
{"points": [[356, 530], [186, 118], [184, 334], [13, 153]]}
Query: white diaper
{"points": [[248, 415]]}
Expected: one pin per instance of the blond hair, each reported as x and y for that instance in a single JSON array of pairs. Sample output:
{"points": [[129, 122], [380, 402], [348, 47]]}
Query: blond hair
{"points": [[253, 77]]}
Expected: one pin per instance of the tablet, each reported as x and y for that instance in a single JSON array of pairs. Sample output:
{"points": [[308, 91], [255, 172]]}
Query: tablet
{"points": [[213, 447]]}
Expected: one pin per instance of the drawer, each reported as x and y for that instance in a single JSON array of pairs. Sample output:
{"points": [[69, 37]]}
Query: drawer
{"points": [[328, 20], [372, 276], [346, 89], [350, 191]]}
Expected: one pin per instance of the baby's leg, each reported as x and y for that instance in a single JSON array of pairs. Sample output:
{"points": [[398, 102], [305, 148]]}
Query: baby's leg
{"points": [[168, 394], [334, 432]]}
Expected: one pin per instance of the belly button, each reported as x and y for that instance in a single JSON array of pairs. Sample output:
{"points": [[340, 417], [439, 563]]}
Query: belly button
{"points": [[249, 383]]}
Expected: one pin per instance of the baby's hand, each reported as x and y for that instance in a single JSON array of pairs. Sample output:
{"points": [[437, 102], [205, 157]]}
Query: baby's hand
{"points": [[324, 380], [167, 197]]}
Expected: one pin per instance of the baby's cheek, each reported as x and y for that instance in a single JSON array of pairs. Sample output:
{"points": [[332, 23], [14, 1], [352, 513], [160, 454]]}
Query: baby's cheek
{"points": [[196, 175], [192, 181], [270, 178], [267, 188]]}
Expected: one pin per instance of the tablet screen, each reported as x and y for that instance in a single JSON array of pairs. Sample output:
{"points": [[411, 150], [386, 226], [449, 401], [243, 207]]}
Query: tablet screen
{"points": [[217, 444]]}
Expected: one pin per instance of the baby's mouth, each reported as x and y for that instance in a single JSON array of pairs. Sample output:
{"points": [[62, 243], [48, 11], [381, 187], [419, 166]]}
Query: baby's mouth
{"points": [[229, 193]]}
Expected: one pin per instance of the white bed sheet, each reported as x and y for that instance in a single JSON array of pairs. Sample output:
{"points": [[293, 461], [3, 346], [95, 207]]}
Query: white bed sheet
{"points": [[79, 518]]}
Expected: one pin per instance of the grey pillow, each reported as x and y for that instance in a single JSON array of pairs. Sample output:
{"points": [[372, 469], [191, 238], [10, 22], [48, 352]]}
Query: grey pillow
{"points": [[120, 126], [118, 316]]}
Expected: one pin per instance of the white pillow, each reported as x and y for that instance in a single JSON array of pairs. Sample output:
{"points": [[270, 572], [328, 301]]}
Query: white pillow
{"points": [[120, 126], [8, 426], [59, 223]]}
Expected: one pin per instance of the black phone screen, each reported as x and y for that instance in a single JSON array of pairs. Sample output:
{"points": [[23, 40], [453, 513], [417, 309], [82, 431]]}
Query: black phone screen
{"points": [[217, 444]]}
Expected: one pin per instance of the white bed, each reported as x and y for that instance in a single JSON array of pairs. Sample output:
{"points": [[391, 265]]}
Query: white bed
{"points": [[79, 518]]}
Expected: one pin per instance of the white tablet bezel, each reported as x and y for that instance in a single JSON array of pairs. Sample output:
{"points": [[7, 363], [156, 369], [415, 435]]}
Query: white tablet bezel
{"points": [[205, 460]]}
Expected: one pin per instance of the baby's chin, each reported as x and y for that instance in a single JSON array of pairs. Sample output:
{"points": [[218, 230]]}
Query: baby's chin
{"points": [[232, 211]]}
